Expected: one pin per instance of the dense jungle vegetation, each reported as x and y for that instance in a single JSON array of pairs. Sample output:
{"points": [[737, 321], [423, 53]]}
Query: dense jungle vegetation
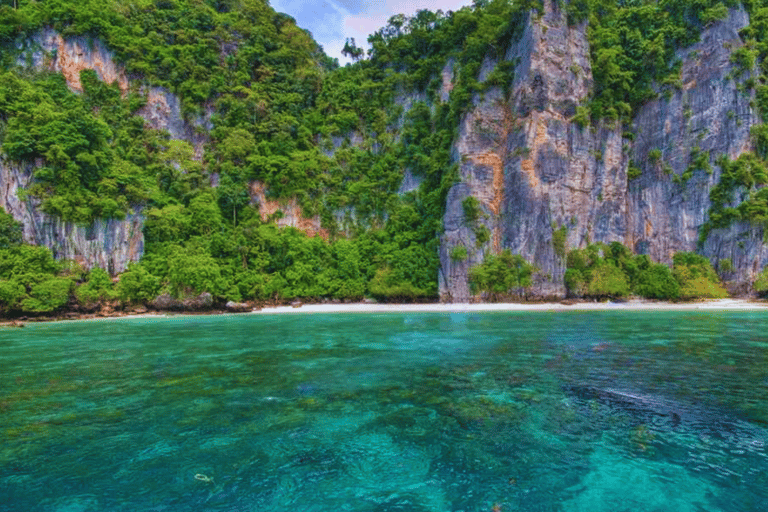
{"points": [[611, 271], [277, 110], [281, 113], [633, 48]]}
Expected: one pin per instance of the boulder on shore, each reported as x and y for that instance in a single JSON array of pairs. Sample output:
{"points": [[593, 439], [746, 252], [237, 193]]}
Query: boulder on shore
{"points": [[237, 307], [165, 302]]}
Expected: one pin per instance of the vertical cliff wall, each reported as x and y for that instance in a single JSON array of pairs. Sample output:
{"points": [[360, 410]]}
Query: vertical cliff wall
{"points": [[708, 115], [535, 171], [544, 184], [109, 244], [541, 179]]}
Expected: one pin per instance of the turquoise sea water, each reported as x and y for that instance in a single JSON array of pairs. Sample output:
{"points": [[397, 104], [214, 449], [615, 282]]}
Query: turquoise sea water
{"points": [[611, 411]]}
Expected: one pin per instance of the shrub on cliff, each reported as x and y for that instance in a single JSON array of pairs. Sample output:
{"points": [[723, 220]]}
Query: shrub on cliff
{"points": [[761, 283], [607, 280], [611, 270], [97, 288], [696, 276], [48, 295], [10, 231], [501, 275], [137, 285], [386, 288], [30, 281], [657, 282]]}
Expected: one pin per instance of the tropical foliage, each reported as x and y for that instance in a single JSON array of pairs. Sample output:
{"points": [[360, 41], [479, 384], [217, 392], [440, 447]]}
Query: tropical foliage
{"points": [[501, 276], [611, 271], [272, 108]]}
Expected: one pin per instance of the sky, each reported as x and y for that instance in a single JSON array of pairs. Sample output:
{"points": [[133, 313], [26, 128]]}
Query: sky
{"points": [[333, 21]]}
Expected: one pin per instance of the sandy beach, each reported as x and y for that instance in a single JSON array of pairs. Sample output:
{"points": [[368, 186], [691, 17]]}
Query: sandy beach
{"points": [[639, 305], [631, 305]]}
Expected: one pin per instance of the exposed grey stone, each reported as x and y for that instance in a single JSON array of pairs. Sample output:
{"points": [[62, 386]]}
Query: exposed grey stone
{"points": [[165, 302], [237, 307], [557, 174], [109, 244]]}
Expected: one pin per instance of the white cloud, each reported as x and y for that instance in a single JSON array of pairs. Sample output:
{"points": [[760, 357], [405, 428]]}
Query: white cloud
{"points": [[333, 21], [360, 26]]}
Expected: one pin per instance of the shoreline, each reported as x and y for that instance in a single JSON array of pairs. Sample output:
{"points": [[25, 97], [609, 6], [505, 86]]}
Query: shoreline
{"points": [[366, 308], [634, 305]]}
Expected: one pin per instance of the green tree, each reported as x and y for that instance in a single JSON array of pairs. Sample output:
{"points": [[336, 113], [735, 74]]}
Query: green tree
{"points": [[137, 285], [191, 271], [607, 280], [696, 276], [657, 282], [47, 296], [761, 282], [97, 288], [501, 275], [10, 231]]}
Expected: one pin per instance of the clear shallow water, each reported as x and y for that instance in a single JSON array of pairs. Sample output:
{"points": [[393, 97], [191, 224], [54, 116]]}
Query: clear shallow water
{"points": [[612, 411]]}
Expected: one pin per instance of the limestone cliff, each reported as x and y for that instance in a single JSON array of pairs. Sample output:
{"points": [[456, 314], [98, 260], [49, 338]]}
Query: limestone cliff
{"points": [[544, 183], [533, 169], [539, 176], [109, 244], [709, 115]]}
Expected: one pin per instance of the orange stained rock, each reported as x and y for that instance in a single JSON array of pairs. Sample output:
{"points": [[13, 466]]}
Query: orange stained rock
{"points": [[529, 169], [71, 59], [293, 215], [496, 163]]}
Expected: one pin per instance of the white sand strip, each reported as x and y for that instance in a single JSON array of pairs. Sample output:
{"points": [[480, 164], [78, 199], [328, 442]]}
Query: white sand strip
{"points": [[722, 304]]}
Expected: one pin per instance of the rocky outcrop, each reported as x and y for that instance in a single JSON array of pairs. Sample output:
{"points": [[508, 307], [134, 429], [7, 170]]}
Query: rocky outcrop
{"points": [[49, 50], [745, 246], [162, 111], [707, 115], [109, 244], [536, 172], [533, 170], [165, 302], [286, 213]]}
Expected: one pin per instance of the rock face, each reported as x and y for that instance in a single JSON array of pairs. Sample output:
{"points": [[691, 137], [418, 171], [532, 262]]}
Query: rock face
{"points": [[290, 214], [165, 302], [163, 112], [536, 172], [533, 170], [49, 50], [708, 113], [544, 184], [109, 244]]}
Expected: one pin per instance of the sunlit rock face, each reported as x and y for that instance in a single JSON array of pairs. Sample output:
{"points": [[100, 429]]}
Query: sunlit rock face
{"points": [[544, 184], [535, 171], [109, 244], [708, 113]]}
